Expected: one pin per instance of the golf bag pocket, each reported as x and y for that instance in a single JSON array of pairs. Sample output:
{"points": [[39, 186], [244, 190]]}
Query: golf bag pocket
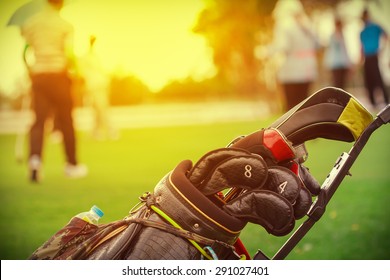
{"points": [[76, 239]]}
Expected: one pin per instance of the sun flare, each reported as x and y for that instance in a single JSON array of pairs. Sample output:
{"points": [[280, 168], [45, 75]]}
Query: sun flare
{"points": [[151, 40]]}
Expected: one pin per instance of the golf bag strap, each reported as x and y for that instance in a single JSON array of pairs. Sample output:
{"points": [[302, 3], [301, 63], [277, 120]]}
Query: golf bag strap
{"points": [[178, 232]]}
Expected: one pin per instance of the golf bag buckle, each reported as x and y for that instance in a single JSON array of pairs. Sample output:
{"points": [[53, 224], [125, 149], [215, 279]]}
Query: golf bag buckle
{"points": [[142, 200]]}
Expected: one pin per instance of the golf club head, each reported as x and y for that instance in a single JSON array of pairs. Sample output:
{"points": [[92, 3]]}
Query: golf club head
{"points": [[329, 113]]}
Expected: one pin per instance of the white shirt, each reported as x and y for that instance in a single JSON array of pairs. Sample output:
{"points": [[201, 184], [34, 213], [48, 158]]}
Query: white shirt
{"points": [[299, 46], [336, 55], [91, 69], [51, 39]]}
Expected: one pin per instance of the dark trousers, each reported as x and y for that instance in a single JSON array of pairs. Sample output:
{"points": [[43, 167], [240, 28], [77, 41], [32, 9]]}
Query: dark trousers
{"points": [[373, 78], [52, 94], [295, 93], [339, 76]]}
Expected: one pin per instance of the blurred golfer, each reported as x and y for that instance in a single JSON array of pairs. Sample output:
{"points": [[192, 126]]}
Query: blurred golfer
{"points": [[296, 41], [337, 58], [51, 39], [96, 85], [370, 38]]}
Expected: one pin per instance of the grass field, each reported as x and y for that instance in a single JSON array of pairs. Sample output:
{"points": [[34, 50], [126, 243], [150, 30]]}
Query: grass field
{"points": [[356, 224]]}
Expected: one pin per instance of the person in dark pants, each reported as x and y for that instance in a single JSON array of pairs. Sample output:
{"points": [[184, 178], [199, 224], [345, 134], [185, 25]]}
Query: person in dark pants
{"points": [[295, 40], [51, 39], [370, 38]]}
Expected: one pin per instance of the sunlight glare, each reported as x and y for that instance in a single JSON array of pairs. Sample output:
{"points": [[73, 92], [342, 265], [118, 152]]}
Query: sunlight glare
{"points": [[151, 40]]}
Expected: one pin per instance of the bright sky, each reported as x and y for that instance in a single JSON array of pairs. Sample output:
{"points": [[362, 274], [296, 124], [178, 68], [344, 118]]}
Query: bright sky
{"points": [[150, 39]]}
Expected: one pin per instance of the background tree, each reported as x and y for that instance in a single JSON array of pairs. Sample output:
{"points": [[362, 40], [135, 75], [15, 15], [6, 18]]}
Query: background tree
{"points": [[230, 28], [233, 29]]}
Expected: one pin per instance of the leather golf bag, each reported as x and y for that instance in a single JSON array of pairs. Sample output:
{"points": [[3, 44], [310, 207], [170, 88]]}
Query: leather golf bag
{"points": [[197, 211]]}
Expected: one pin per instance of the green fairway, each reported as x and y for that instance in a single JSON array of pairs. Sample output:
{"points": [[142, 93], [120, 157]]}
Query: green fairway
{"points": [[356, 224]]}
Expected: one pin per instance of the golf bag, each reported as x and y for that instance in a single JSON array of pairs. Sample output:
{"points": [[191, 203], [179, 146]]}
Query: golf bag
{"points": [[197, 211], [187, 216]]}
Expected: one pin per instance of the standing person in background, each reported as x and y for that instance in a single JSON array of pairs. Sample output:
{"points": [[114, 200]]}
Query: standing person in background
{"points": [[337, 59], [96, 85], [51, 39], [294, 38], [370, 38]]}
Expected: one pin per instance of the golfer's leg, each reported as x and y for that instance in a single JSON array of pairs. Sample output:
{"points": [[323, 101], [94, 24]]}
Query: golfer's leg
{"points": [[41, 108], [64, 106], [370, 77]]}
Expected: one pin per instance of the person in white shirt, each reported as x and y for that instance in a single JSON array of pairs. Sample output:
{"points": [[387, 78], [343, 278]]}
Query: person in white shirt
{"points": [[51, 39], [337, 58], [97, 87], [295, 40]]}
